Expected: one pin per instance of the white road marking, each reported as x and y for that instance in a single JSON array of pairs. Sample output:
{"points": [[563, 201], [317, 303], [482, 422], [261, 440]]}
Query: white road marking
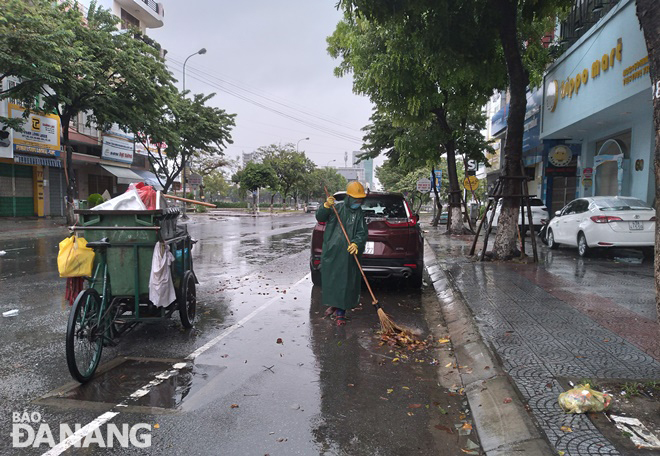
{"points": [[79, 435]]}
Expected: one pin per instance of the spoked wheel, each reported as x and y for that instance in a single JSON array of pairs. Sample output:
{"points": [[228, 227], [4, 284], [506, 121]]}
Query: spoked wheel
{"points": [[188, 300], [84, 339]]}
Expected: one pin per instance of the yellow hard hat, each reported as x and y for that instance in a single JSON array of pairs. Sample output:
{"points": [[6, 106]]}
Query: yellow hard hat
{"points": [[355, 189]]}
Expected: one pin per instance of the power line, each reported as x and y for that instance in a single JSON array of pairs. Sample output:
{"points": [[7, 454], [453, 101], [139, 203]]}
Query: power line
{"points": [[308, 123], [269, 97]]}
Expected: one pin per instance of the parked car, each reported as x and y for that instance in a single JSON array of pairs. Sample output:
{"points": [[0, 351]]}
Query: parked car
{"points": [[603, 221], [539, 215], [395, 246], [312, 206]]}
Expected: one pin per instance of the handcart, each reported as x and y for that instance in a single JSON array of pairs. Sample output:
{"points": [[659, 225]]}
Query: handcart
{"points": [[117, 298]]}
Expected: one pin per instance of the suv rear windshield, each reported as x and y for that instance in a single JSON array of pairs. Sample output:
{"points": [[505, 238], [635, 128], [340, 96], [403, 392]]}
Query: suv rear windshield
{"points": [[621, 204], [385, 206]]}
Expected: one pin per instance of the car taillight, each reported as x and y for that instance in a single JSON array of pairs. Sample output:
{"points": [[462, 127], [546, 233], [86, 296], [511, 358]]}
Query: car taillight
{"points": [[412, 221], [605, 218]]}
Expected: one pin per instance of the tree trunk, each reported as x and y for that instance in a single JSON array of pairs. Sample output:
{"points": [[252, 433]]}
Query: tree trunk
{"points": [[504, 246], [454, 218], [648, 13], [438, 204], [70, 176], [272, 199]]}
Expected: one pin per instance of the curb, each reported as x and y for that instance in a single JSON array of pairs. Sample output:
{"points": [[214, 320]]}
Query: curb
{"points": [[502, 428]]}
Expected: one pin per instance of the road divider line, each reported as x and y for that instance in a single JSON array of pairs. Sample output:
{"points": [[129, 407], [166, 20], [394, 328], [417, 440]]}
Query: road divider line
{"points": [[79, 435]]}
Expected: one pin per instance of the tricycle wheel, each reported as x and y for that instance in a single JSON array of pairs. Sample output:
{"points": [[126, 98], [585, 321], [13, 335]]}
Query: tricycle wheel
{"points": [[188, 300], [84, 339]]}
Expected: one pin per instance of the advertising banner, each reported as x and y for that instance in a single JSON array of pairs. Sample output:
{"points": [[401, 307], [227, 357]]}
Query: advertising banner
{"points": [[117, 149], [40, 135]]}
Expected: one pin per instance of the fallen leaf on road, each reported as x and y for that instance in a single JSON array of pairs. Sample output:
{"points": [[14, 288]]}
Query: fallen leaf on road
{"points": [[395, 360], [279, 341], [405, 387], [449, 365], [351, 384], [443, 341], [390, 390], [466, 426], [487, 367], [414, 406], [384, 398], [566, 429], [234, 405], [411, 414], [282, 439], [507, 400], [156, 426], [444, 428]]}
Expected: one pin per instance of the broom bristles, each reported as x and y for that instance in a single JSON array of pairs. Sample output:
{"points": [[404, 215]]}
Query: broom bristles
{"points": [[387, 325]]}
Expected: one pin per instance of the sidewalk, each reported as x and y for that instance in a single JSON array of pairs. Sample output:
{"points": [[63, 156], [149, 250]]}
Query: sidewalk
{"points": [[567, 318]]}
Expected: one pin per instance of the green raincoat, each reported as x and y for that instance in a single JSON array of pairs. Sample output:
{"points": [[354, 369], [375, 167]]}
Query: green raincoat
{"points": [[340, 277]]}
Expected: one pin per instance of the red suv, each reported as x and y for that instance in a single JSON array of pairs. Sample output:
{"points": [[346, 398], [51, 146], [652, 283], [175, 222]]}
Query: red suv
{"points": [[395, 246]]}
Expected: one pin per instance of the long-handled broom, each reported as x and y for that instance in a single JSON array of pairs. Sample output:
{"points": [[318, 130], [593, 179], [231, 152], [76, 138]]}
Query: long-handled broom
{"points": [[387, 326]]}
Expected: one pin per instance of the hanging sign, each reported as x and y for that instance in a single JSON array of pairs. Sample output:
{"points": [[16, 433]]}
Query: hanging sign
{"points": [[424, 185], [40, 135]]}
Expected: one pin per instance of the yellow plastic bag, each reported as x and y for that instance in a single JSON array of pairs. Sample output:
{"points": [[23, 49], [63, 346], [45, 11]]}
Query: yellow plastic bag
{"points": [[582, 399], [75, 259]]}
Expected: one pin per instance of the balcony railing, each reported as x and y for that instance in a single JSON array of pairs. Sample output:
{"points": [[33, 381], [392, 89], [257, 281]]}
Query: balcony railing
{"points": [[583, 15], [152, 4]]}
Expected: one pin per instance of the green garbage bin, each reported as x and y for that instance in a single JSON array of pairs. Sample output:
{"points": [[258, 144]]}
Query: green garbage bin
{"points": [[132, 236]]}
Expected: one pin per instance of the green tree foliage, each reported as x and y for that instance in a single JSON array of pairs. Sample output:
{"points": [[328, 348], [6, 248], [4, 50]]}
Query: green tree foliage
{"points": [[322, 178], [476, 40], [79, 64], [185, 127], [428, 98], [290, 166], [254, 177]]}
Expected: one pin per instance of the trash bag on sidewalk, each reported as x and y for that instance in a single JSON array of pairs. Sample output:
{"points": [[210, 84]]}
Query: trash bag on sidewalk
{"points": [[75, 259], [161, 287], [582, 399]]}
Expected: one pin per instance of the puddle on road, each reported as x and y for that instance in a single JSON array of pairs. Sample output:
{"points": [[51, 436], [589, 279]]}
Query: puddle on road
{"points": [[122, 379]]}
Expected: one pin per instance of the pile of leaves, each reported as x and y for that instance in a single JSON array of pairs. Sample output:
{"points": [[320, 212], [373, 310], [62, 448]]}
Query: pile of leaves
{"points": [[404, 339]]}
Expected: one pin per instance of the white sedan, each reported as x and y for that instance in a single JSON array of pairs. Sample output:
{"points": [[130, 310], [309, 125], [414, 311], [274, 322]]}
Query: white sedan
{"points": [[539, 214], [603, 221]]}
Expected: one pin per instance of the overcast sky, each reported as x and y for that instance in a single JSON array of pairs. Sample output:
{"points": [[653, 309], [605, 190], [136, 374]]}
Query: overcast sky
{"points": [[269, 53]]}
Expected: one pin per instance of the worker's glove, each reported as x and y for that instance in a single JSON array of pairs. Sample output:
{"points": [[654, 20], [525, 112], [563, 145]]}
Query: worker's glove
{"points": [[329, 202], [352, 248]]}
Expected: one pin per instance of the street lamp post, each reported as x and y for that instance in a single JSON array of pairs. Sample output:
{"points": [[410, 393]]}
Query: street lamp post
{"points": [[328, 164], [200, 52], [298, 143]]}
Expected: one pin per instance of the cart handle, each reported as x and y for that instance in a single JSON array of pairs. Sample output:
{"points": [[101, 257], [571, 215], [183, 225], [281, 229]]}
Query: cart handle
{"points": [[115, 228]]}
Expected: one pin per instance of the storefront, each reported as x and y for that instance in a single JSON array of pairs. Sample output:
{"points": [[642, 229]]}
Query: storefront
{"points": [[26, 162], [598, 106]]}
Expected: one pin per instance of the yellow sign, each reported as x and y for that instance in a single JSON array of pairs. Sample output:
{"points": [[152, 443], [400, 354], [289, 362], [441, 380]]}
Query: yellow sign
{"points": [[41, 132], [471, 183], [571, 86]]}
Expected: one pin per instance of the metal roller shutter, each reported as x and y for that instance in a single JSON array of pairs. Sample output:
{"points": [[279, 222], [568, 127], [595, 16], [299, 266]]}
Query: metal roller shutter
{"points": [[16, 191], [56, 191]]}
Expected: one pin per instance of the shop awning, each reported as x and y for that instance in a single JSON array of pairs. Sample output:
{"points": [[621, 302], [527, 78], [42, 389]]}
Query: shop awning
{"points": [[42, 161], [149, 178], [124, 175]]}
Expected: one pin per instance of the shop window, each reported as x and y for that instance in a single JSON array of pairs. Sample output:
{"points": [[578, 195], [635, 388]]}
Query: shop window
{"points": [[615, 145], [99, 184], [128, 20]]}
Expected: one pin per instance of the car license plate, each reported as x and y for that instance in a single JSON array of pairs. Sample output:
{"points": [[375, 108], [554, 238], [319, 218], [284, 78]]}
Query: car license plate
{"points": [[635, 225], [369, 248]]}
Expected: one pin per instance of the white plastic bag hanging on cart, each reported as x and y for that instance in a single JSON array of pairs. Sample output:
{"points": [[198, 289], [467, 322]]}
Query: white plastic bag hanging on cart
{"points": [[161, 287]]}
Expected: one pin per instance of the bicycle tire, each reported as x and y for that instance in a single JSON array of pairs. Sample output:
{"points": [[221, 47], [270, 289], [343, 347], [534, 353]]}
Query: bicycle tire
{"points": [[83, 343]]}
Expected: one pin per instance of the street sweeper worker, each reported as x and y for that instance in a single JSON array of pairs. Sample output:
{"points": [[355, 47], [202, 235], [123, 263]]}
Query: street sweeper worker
{"points": [[340, 275]]}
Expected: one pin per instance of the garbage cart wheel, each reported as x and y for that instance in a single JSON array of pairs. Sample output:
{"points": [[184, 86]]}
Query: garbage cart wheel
{"points": [[84, 338], [188, 300]]}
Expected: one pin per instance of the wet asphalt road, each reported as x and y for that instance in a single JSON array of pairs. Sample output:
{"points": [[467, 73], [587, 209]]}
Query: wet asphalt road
{"points": [[322, 390]]}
